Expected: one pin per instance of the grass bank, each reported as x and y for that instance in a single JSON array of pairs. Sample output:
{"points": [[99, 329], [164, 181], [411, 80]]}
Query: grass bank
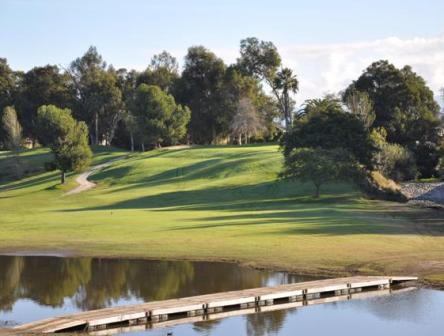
{"points": [[221, 203]]}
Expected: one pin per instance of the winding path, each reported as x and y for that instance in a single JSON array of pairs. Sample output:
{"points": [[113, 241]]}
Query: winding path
{"points": [[82, 180]]}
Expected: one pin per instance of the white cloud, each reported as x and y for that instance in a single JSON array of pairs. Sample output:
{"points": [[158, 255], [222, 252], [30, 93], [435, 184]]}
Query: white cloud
{"points": [[330, 68]]}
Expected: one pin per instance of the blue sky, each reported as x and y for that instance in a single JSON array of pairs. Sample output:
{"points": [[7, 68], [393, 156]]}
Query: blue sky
{"points": [[328, 43]]}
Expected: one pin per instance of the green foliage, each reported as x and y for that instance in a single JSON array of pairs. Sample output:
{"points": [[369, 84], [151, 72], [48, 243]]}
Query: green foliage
{"points": [[66, 137], [261, 60], [12, 129], [201, 88], [330, 127], [8, 82], [41, 86], [393, 160], [99, 98], [13, 141], [319, 166], [163, 71], [404, 105], [158, 117]]}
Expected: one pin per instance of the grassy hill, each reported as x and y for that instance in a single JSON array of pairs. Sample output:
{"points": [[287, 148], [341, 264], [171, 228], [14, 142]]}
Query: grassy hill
{"points": [[220, 203]]}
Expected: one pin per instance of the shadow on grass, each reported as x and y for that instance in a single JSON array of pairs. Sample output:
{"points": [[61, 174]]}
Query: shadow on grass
{"points": [[287, 208]]}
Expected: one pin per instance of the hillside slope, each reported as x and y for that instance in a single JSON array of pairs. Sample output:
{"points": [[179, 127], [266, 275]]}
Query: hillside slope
{"points": [[220, 203]]}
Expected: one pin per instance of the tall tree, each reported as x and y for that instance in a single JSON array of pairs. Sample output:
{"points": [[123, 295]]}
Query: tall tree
{"points": [[98, 96], [8, 87], [262, 60], [201, 89], [404, 105], [66, 137], [159, 119], [127, 82], [163, 71], [41, 86]]}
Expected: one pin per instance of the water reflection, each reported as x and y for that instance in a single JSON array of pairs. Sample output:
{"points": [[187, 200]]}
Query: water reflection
{"points": [[91, 283], [34, 288]]}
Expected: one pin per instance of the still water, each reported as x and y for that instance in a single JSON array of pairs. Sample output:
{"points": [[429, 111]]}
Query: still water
{"points": [[37, 287]]}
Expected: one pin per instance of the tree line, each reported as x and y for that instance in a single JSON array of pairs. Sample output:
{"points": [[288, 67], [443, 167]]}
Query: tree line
{"points": [[210, 102]]}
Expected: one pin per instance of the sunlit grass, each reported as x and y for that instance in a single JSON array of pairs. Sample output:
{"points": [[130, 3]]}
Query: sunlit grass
{"points": [[219, 203]]}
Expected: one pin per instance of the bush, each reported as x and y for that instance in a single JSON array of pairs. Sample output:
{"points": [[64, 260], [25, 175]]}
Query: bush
{"points": [[393, 160], [396, 162], [375, 185]]}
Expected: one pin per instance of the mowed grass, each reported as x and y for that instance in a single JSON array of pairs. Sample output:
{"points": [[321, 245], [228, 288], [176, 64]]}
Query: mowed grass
{"points": [[221, 203]]}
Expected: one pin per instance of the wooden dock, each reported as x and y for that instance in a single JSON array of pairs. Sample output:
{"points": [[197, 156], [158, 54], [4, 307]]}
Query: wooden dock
{"points": [[198, 308]]}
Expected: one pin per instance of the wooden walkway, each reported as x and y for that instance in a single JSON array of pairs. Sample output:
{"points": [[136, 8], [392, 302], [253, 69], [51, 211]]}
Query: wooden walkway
{"points": [[163, 313]]}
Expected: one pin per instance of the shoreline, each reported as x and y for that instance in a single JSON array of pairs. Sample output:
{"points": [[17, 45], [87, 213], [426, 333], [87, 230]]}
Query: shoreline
{"points": [[422, 282]]}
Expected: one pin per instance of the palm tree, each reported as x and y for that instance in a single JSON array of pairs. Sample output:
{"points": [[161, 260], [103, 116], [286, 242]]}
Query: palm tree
{"points": [[285, 82]]}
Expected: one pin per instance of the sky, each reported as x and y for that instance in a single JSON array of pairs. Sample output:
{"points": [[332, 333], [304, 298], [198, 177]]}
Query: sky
{"points": [[326, 43]]}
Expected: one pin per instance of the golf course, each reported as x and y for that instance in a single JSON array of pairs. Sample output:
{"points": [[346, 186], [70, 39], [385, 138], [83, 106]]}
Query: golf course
{"points": [[219, 203]]}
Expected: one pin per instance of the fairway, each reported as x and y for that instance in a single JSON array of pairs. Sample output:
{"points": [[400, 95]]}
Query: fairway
{"points": [[220, 203]]}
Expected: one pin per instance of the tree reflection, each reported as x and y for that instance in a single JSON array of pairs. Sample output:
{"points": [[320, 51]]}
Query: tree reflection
{"points": [[265, 323], [91, 283], [10, 271]]}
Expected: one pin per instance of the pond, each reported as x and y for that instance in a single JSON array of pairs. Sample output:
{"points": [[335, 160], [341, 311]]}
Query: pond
{"points": [[37, 287]]}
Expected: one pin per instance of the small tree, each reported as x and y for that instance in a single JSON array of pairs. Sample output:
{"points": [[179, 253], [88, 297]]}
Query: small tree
{"points": [[66, 137], [12, 128], [318, 166], [13, 137], [246, 121]]}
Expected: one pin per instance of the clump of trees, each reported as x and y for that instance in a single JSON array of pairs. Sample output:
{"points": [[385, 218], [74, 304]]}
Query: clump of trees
{"points": [[67, 138], [387, 119], [405, 108]]}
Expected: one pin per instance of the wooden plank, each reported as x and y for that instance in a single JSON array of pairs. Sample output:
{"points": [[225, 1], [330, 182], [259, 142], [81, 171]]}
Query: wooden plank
{"points": [[113, 315]]}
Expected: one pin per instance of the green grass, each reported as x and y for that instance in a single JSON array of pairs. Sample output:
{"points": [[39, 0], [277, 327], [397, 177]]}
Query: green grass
{"points": [[220, 203]]}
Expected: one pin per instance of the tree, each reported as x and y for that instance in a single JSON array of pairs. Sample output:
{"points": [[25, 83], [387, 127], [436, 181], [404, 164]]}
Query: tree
{"points": [[158, 117], [8, 88], [318, 166], [262, 60], [13, 138], [286, 83], [67, 138], [12, 128], [246, 122], [201, 89], [359, 104], [404, 105], [163, 71], [98, 98], [40, 86], [329, 127]]}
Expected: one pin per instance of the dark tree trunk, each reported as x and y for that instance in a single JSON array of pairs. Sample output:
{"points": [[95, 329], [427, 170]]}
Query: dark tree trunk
{"points": [[62, 177], [317, 191], [132, 141], [96, 128]]}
